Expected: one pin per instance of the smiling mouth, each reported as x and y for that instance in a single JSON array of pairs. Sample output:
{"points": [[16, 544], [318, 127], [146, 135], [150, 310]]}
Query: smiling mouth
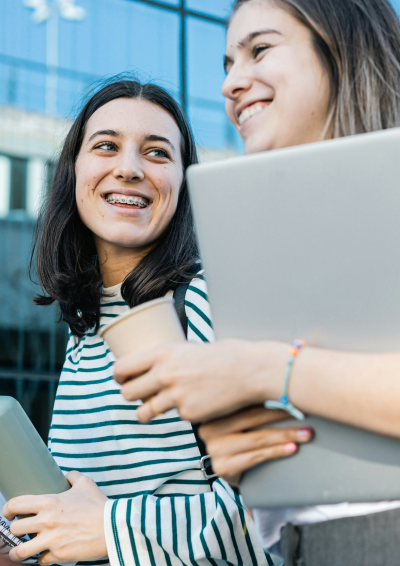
{"points": [[251, 110], [122, 200]]}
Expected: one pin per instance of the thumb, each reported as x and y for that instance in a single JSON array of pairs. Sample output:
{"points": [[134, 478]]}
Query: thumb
{"points": [[73, 477]]}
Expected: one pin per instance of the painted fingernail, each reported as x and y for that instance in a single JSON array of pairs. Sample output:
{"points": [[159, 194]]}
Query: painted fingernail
{"points": [[303, 433], [290, 448]]}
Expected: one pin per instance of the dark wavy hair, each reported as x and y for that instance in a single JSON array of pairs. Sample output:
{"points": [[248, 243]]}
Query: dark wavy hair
{"points": [[63, 251], [358, 42]]}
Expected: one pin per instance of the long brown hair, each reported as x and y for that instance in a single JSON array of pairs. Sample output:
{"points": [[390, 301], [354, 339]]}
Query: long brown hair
{"points": [[64, 252], [358, 42]]}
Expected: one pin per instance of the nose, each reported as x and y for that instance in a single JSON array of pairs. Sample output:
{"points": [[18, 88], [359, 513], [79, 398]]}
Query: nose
{"points": [[237, 81], [129, 168]]}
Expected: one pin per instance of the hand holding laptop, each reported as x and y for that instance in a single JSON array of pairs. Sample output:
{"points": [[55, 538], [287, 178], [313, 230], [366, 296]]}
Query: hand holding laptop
{"points": [[311, 283], [236, 443], [70, 524], [210, 381]]}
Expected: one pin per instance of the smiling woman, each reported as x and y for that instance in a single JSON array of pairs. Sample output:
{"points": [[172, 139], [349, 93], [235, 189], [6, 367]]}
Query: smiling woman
{"points": [[274, 73], [311, 70], [129, 141], [117, 231]]}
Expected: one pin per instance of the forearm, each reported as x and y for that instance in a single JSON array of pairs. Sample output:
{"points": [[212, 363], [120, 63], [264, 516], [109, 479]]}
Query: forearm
{"points": [[211, 381], [357, 389]]}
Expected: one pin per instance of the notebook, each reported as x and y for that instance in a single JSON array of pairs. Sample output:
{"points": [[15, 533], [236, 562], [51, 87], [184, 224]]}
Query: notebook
{"points": [[7, 539]]}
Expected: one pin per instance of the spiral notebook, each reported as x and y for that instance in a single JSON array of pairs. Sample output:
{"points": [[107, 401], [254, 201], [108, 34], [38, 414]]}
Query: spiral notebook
{"points": [[6, 536], [7, 539]]}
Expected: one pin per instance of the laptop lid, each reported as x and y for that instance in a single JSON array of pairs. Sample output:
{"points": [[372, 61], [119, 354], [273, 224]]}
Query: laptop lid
{"points": [[304, 243]]}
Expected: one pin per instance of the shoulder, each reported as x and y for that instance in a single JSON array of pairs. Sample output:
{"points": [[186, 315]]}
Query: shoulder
{"points": [[198, 311], [73, 342]]}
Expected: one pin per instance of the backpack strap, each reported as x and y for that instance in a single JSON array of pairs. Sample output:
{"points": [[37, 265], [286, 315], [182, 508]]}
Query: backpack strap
{"points": [[179, 298], [180, 294]]}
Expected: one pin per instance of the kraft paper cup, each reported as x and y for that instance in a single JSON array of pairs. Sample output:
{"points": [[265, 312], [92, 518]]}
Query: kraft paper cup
{"points": [[146, 326]]}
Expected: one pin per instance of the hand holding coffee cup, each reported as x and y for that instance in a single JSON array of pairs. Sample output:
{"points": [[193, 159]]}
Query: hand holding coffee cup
{"points": [[144, 327]]}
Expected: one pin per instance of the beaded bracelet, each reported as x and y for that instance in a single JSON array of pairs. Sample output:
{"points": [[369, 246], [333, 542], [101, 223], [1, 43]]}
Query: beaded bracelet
{"points": [[284, 402]]}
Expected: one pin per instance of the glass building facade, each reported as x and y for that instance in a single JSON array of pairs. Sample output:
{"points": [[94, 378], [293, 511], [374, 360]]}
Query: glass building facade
{"points": [[51, 58], [52, 54], [47, 67]]}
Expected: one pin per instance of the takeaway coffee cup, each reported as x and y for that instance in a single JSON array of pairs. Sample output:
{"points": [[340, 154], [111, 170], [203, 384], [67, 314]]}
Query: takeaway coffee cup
{"points": [[149, 325]]}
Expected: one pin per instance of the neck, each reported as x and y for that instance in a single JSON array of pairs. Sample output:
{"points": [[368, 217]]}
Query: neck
{"points": [[116, 262]]}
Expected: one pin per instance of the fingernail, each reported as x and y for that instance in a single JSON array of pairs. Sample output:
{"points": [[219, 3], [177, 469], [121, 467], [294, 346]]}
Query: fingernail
{"points": [[290, 448], [303, 433]]}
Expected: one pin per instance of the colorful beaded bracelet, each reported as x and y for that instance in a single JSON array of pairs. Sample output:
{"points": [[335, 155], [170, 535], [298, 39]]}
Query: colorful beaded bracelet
{"points": [[284, 402]]}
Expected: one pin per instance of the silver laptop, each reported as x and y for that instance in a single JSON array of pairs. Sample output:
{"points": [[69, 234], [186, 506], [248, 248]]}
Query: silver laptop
{"points": [[305, 243]]}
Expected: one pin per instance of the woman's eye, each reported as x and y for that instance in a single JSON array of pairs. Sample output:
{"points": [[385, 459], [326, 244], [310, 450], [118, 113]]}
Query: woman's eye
{"points": [[259, 49], [108, 146], [158, 153]]}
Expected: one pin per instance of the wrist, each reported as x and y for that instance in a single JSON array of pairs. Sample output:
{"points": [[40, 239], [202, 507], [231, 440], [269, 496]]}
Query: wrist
{"points": [[269, 365]]}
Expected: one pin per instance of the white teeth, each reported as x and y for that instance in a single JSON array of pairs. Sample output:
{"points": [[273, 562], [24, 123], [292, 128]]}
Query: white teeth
{"points": [[116, 199], [249, 112], [122, 200], [130, 200]]}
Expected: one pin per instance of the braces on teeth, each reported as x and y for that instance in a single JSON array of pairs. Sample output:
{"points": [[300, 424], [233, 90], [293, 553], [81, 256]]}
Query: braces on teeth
{"points": [[125, 200]]}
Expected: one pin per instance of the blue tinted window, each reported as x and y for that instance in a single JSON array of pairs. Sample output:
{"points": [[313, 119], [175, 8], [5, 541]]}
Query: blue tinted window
{"points": [[212, 129], [115, 36], [219, 8], [123, 36], [19, 37], [118, 36], [21, 85], [205, 50]]}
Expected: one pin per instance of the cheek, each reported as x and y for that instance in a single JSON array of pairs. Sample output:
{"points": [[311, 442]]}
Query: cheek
{"points": [[304, 82], [169, 186], [277, 73], [230, 111], [88, 174], [85, 183], [82, 204], [79, 192], [81, 196]]}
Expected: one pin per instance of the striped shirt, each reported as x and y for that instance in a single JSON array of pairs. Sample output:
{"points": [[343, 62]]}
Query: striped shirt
{"points": [[161, 510]]}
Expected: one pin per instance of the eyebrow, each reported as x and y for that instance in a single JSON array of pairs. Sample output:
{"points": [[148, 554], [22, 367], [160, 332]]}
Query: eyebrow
{"points": [[154, 137], [248, 39], [112, 133]]}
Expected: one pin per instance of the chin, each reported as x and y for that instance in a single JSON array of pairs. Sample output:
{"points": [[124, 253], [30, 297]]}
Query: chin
{"points": [[126, 240], [252, 145]]}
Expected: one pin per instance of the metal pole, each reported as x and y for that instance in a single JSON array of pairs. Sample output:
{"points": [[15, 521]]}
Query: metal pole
{"points": [[52, 62], [183, 59]]}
